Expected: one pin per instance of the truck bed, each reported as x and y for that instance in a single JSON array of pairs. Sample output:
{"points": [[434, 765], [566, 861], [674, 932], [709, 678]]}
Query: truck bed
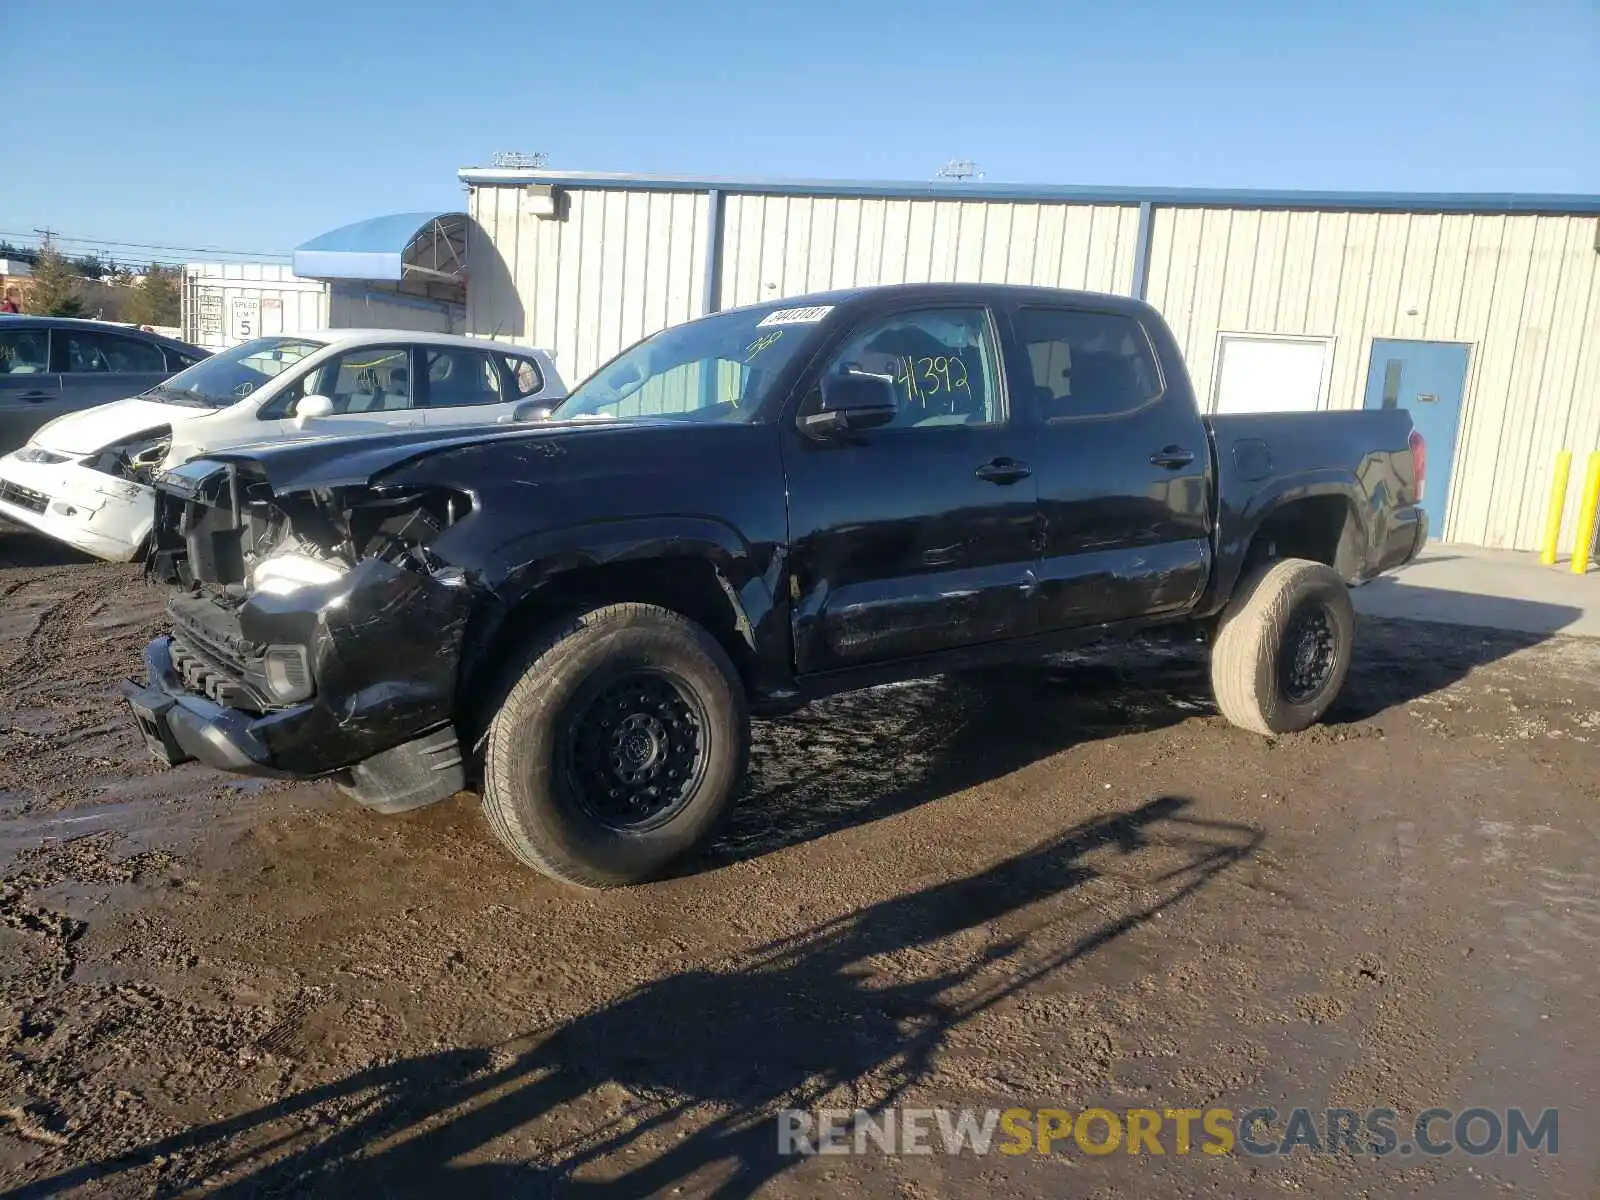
{"points": [[1360, 463]]}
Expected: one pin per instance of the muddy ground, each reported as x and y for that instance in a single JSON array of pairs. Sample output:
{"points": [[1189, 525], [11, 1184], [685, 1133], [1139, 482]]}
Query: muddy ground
{"points": [[1069, 885]]}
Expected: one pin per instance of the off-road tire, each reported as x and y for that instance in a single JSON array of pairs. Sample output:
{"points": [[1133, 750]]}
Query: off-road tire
{"points": [[1247, 654], [529, 800]]}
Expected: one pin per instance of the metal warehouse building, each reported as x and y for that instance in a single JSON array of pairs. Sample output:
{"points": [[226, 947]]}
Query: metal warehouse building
{"points": [[1479, 313]]}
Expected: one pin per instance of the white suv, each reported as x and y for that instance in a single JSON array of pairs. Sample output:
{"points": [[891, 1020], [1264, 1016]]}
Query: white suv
{"points": [[84, 478]]}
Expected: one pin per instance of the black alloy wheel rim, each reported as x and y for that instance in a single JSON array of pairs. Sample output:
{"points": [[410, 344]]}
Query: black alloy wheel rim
{"points": [[1309, 649], [636, 750]]}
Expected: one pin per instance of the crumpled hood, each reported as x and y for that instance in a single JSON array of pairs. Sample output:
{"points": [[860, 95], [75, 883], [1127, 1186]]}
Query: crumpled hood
{"points": [[95, 428], [356, 459]]}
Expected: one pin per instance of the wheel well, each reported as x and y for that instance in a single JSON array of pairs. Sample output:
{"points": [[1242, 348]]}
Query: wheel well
{"points": [[1324, 529], [686, 584]]}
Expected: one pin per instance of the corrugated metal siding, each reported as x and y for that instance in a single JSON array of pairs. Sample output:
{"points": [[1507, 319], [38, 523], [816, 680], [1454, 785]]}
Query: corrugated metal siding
{"points": [[356, 307], [1523, 291], [615, 267], [776, 246]]}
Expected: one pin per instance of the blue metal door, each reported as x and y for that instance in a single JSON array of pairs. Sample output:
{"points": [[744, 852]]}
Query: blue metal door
{"points": [[1426, 379]]}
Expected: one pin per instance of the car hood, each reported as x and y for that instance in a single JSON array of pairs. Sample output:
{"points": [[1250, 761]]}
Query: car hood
{"points": [[95, 428], [358, 459]]}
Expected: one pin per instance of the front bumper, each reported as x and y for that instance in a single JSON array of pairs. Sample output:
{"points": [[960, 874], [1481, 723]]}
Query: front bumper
{"points": [[88, 510], [381, 644], [179, 726]]}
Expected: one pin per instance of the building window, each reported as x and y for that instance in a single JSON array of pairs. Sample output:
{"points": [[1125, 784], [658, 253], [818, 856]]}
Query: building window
{"points": [[1270, 373]]}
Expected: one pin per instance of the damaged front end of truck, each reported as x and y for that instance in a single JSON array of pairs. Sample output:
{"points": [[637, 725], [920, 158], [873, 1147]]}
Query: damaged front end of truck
{"points": [[316, 630]]}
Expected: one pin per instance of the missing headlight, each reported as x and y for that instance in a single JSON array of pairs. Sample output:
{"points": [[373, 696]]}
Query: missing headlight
{"points": [[136, 458]]}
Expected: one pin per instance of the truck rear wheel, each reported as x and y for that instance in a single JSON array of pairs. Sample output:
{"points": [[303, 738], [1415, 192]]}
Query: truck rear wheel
{"points": [[1283, 647], [618, 748]]}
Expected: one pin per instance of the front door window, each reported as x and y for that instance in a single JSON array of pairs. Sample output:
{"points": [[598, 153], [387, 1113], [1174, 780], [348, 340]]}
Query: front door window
{"points": [[942, 362]]}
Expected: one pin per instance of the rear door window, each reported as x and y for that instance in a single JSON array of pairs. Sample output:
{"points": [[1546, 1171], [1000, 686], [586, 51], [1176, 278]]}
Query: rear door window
{"points": [[106, 353], [1086, 363], [459, 378]]}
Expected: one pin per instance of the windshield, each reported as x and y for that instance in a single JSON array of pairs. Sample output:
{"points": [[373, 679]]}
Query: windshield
{"points": [[715, 369], [230, 375]]}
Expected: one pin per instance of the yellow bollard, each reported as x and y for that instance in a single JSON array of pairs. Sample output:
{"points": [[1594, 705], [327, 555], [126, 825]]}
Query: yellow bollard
{"points": [[1588, 514], [1558, 501]]}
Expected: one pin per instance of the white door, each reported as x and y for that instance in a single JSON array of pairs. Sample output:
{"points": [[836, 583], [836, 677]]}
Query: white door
{"points": [[462, 386], [371, 389], [1270, 374]]}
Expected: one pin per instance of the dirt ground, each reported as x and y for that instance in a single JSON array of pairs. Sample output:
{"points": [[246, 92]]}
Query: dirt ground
{"points": [[1067, 885]]}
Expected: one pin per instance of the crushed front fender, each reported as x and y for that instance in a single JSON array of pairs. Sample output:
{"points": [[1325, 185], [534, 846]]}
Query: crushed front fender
{"points": [[383, 644]]}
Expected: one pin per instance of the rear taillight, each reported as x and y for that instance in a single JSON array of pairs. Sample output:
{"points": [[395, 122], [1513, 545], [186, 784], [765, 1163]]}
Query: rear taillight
{"points": [[1419, 461]]}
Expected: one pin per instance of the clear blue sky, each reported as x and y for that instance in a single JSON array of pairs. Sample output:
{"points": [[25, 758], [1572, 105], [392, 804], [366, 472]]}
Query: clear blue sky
{"points": [[260, 125]]}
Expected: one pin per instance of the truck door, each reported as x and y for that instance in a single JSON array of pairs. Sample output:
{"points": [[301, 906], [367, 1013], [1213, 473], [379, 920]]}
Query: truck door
{"points": [[1123, 467], [917, 536]]}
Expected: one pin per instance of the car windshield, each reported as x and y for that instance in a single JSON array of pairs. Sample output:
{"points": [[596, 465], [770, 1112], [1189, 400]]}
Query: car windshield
{"points": [[230, 375], [715, 369]]}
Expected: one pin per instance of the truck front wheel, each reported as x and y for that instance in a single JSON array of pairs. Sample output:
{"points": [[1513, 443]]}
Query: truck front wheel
{"points": [[1282, 647], [618, 748]]}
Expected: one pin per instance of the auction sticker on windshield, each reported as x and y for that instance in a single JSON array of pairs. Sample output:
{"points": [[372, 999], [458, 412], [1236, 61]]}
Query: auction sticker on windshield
{"points": [[796, 316]]}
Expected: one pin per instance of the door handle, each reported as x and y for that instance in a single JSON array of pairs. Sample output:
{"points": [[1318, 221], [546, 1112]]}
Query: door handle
{"points": [[403, 422], [36, 395], [1172, 457], [1004, 471]]}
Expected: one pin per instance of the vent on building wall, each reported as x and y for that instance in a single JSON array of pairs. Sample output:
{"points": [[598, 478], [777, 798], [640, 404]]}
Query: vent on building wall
{"points": [[542, 200]]}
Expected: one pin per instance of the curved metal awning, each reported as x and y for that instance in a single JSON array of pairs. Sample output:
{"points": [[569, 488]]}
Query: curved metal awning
{"points": [[424, 247]]}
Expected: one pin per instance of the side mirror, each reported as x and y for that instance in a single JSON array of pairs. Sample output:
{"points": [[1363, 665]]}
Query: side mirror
{"points": [[533, 410], [851, 403], [311, 407]]}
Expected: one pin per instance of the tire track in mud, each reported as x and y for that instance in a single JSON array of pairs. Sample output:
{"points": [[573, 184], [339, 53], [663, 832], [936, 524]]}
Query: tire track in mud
{"points": [[71, 632], [16, 585], [55, 630], [58, 930]]}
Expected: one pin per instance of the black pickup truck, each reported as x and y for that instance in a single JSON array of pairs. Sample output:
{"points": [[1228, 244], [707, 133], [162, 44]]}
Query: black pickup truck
{"points": [[578, 613]]}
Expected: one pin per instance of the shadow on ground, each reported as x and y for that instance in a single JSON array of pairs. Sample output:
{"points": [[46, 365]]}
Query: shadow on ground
{"points": [[1394, 598], [870, 755], [706, 1057], [21, 547]]}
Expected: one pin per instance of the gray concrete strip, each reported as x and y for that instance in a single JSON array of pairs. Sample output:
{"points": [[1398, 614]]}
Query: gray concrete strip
{"points": [[1496, 589]]}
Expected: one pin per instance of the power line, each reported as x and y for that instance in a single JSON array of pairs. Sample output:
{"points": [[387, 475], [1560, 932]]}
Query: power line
{"points": [[88, 241], [134, 261]]}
